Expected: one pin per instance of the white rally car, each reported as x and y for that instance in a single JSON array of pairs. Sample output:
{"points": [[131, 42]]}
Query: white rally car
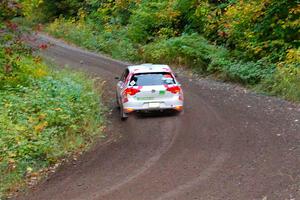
{"points": [[148, 87]]}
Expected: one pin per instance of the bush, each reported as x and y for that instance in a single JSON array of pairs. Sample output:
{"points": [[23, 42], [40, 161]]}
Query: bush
{"points": [[44, 114], [42, 122], [286, 79], [152, 19], [20, 71], [110, 41], [194, 51], [188, 50], [150, 35], [257, 28], [9, 9], [247, 72], [17, 63]]}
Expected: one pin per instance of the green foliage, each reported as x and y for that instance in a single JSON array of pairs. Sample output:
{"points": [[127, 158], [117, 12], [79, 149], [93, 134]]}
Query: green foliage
{"points": [[253, 37], [9, 9], [17, 64], [29, 8], [47, 10], [110, 12], [151, 20], [44, 121], [252, 29], [286, 80], [194, 51], [44, 114], [188, 50], [193, 15], [22, 71], [257, 28], [110, 41], [247, 72]]}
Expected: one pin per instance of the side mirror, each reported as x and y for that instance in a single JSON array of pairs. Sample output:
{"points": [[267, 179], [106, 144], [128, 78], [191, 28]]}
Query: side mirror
{"points": [[175, 74], [117, 78]]}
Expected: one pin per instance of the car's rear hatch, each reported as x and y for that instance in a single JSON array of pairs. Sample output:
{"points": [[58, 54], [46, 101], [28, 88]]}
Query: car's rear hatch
{"points": [[154, 93], [153, 86]]}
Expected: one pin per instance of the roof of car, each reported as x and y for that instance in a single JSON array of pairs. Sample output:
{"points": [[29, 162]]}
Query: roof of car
{"points": [[147, 67]]}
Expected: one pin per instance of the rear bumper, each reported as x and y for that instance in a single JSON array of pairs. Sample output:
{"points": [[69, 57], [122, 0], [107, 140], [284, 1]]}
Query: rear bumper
{"points": [[171, 104]]}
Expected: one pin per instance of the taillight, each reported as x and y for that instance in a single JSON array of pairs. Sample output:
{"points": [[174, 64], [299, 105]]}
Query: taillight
{"points": [[131, 91], [174, 89]]}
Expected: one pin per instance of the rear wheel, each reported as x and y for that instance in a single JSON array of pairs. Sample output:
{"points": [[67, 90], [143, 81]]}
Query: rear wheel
{"points": [[117, 101], [124, 115]]}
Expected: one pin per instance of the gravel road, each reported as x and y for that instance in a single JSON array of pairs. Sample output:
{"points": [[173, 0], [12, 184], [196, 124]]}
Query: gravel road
{"points": [[229, 144]]}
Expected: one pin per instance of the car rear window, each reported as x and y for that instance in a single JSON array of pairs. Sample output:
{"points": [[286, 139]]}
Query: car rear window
{"points": [[161, 78]]}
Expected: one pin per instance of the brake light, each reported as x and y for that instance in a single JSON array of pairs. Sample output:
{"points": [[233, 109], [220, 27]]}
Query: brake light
{"points": [[174, 89], [131, 91]]}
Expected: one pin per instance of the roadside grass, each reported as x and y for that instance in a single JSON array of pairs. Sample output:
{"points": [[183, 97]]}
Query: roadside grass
{"points": [[46, 114], [84, 34], [190, 50], [43, 120]]}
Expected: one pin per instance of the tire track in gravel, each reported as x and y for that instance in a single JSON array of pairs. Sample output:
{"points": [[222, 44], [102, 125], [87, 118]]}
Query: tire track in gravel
{"points": [[229, 144]]}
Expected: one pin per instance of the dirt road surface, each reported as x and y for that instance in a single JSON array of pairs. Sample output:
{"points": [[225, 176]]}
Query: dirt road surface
{"points": [[229, 144]]}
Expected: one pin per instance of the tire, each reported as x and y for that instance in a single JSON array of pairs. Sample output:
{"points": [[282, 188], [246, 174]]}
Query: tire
{"points": [[123, 115], [117, 101]]}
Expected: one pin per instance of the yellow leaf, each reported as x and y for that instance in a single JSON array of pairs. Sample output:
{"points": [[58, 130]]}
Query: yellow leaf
{"points": [[41, 126]]}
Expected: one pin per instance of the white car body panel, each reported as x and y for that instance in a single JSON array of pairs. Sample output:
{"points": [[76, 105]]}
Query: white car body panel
{"points": [[149, 97]]}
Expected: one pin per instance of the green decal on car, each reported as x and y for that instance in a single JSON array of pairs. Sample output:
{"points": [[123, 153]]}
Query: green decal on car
{"points": [[162, 92]]}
